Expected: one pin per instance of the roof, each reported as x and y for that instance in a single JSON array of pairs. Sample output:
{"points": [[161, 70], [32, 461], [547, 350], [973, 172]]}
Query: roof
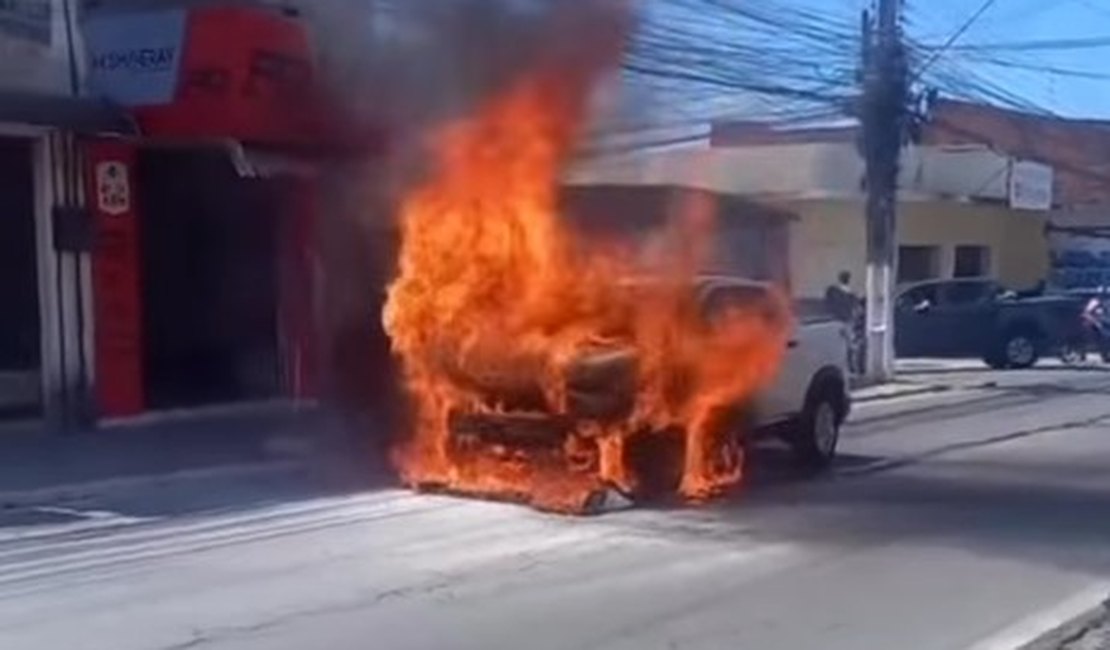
{"points": [[71, 113]]}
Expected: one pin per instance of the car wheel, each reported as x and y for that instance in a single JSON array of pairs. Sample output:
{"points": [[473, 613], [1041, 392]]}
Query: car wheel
{"points": [[1020, 350], [817, 431]]}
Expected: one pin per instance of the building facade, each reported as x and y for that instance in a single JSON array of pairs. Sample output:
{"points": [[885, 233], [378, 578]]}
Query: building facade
{"points": [[1077, 150], [47, 356], [957, 215], [162, 167]]}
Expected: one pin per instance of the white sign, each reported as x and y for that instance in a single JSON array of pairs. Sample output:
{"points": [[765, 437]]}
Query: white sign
{"points": [[134, 59], [113, 189], [1030, 186]]}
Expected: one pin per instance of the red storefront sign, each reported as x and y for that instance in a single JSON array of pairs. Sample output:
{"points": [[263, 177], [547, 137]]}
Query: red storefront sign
{"points": [[245, 74], [115, 275], [241, 73]]}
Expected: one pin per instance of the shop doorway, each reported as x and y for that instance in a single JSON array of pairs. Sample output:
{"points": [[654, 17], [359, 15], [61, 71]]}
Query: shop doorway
{"points": [[210, 280], [20, 343]]}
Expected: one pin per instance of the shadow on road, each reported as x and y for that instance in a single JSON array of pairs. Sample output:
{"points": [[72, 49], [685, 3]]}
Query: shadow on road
{"points": [[153, 473], [1038, 511]]}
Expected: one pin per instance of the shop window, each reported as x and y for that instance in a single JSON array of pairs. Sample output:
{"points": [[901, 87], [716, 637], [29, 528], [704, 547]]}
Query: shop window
{"points": [[917, 263], [972, 262]]}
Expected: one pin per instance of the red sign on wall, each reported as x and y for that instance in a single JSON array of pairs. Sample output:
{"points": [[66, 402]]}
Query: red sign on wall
{"points": [[116, 270], [245, 73]]}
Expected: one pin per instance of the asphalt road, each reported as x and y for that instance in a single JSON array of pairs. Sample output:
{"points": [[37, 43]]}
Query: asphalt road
{"points": [[961, 519]]}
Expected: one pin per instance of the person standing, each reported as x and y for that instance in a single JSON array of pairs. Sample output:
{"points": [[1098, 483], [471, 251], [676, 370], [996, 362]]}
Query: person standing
{"points": [[1095, 319], [847, 307], [840, 300]]}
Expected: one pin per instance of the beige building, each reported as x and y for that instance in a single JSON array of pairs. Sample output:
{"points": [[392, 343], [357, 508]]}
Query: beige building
{"points": [[955, 214], [937, 239]]}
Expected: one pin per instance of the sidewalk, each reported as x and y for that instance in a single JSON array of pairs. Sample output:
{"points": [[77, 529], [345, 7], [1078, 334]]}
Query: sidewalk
{"points": [[896, 390], [38, 466], [927, 376]]}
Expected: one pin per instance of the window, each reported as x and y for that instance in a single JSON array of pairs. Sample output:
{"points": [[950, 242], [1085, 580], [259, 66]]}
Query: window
{"points": [[724, 299], [972, 262], [723, 304], [968, 293], [918, 296], [917, 263]]}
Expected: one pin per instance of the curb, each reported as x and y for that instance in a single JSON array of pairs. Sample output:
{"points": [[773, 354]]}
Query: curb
{"points": [[1071, 631], [69, 491], [1055, 627], [908, 392]]}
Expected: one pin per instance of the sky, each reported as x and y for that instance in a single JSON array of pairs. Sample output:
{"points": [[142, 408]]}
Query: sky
{"points": [[739, 53], [742, 55], [1008, 21]]}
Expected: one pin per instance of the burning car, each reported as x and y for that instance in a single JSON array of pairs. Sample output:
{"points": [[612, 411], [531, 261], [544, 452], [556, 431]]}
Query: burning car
{"points": [[538, 372], [805, 405]]}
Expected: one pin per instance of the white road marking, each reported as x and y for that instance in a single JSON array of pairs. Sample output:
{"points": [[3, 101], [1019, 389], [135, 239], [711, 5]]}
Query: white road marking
{"points": [[1031, 628]]}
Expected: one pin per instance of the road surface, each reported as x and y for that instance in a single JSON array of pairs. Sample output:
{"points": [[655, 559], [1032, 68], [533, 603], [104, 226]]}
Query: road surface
{"points": [[954, 520]]}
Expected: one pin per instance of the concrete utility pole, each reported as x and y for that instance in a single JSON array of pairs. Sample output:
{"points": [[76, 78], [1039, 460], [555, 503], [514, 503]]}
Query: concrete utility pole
{"points": [[883, 118]]}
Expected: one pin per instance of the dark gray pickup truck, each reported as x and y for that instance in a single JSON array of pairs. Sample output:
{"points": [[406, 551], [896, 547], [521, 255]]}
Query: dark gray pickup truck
{"points": [[979, 318]]}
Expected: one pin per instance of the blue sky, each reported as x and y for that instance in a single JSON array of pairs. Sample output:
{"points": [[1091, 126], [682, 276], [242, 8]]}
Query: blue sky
{"points": [[745, 53], [933, 21]]}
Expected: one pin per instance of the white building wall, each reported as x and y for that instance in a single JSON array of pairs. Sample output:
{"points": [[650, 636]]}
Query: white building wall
{"points": [[804, 171], [34, 47]]}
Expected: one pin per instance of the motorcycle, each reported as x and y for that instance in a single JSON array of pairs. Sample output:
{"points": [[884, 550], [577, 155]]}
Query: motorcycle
{"points": [[1092, 334]]}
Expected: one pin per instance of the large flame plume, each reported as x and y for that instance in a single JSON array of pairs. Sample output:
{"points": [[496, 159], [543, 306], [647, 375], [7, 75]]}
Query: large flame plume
{"points": [[493, 283]]}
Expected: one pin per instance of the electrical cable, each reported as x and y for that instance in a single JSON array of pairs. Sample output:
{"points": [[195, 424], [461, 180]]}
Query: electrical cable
{"points": [[987, 4]]}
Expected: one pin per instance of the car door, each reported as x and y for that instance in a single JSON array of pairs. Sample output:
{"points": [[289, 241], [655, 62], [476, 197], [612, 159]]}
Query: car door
{"points": [[913, 319], [777, 400], [782, 397], [962, 319]]}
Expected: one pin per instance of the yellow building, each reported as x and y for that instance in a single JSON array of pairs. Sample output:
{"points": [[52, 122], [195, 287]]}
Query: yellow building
{"points": [[955, 215], [936, 239]]}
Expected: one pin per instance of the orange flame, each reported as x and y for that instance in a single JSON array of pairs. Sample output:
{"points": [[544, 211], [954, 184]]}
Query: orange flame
{"points": [[494, 288]]}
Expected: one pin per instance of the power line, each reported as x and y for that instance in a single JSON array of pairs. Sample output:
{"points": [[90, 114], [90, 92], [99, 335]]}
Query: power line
{"points": [[956, 36], [1033, 67], [1062, 44]]}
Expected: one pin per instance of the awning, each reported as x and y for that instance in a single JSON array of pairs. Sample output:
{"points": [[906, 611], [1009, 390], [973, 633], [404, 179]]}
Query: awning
{"points": [[252, 162], [70, 113]]}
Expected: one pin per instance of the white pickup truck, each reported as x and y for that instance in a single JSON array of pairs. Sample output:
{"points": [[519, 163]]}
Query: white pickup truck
{"points": [[809, 400], [805, 405]]}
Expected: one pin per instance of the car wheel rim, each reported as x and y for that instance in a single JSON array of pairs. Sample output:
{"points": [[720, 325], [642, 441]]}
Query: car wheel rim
{"points": [[1019, 351], [825, 430]]}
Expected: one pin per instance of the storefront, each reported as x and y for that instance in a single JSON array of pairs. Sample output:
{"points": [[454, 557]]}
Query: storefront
{"points": [[46, 351], [20, 331], [203, 261]]}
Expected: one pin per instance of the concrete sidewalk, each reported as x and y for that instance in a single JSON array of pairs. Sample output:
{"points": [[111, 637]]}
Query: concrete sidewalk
{"points": [[37, 467], [927, 376], [897, 390]]}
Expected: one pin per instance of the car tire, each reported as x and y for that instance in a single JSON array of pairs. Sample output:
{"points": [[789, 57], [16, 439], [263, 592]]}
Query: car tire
{"points": [[816, 433], [1021, 349]]}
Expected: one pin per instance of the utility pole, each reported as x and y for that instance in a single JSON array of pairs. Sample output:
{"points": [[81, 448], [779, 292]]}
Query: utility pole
{"points": [[883, 120]]}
